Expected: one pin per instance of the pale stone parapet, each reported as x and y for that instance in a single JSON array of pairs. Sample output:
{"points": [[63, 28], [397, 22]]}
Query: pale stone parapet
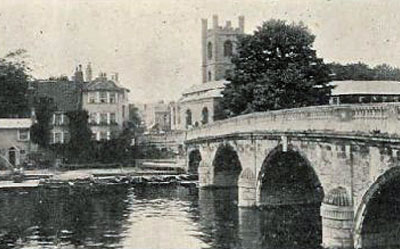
{"points": [[367, 119]]}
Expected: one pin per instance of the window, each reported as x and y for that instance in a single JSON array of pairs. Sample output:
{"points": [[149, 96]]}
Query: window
{"points": [[204, 114], [23, 135], [58, 119], [103, 97], [94, 136], [92, 118], [57, 137], [103, 118], [209, 50], [123, 112], [112, 98], [103, 135], [228, 48], [188, 118], [91, 97], [209, 76], [113, 118]]}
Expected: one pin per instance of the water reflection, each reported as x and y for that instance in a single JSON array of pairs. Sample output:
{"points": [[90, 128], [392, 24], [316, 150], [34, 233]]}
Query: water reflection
{"points": [[149, 217]]}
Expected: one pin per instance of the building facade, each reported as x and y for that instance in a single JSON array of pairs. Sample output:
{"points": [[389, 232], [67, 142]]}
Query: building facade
{"points": [[201, 103], [156, 116], [14, 141], [105, 101], [107, 105]]}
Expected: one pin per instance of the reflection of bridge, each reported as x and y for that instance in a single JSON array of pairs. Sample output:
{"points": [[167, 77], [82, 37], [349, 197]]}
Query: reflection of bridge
{"points": [[345, 156]]}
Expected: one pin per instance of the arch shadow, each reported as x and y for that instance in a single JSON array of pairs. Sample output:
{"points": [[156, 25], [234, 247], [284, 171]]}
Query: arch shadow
{"points": [[377, 218], [226, 166], [287, 178]]}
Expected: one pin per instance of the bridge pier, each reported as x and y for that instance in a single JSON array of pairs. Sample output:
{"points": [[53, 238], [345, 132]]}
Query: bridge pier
{"points": [[337, 220], [247, 190]]}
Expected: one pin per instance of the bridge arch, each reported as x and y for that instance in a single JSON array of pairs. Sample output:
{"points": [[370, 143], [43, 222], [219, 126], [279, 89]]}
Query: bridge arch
{"points": [[287, 177], [194, 160], [377, 219], [226, 166]]}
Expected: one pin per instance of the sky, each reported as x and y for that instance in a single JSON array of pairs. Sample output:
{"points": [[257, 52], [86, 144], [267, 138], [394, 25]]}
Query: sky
{"points": [[155, 46]]}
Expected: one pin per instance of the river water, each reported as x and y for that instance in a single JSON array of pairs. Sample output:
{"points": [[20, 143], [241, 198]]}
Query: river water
{"points": [[164, 216]]}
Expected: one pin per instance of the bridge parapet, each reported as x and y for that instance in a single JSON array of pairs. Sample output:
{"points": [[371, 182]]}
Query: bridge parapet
{"points": [[377, 118]]}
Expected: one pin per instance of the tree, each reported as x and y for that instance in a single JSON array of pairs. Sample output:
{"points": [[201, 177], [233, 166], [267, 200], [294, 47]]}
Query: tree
{"points": [[41, 129], [13, 85], [276, 68], [80, 145], [134, 123], [361, 71]]}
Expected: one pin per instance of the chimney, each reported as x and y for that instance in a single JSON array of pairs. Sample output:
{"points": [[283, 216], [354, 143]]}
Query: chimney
{"points": [[89, 73]]}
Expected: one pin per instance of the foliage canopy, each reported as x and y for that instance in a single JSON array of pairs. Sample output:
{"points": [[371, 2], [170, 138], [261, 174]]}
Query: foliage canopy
{"points": [[276, 68]]}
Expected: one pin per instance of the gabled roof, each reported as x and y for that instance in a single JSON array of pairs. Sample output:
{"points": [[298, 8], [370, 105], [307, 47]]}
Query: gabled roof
{"points": [[15, 123], [351, 87], [101, 83], [66, 95]]}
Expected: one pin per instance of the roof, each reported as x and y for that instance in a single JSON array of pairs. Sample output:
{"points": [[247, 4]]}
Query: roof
{"points": [[350, 87], [102, 83], [15, 123], [206, 90], [212, 85], [66, 95]]}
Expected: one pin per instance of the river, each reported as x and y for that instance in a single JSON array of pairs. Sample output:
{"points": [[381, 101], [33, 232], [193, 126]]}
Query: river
{"points": [[164, 216]]}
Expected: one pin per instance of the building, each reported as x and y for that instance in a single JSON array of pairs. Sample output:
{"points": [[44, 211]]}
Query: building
{"points": [[156, 116], [105, 101], [63, 96], [107, 104], [200, 104], [352, 92], [14, 141]]}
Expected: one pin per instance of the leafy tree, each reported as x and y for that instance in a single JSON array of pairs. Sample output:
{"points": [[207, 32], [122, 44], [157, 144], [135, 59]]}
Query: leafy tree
{"points": [[361, 71], [13, 85], [276, 68], [41, 129], [80, 145], [134, 123]]}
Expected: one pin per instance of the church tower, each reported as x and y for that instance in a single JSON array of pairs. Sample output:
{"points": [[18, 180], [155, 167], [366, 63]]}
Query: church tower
{"points": [[218, 46]]}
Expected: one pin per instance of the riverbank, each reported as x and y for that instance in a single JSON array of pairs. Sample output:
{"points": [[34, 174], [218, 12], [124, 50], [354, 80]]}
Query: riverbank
{"points": [[134, 175]]}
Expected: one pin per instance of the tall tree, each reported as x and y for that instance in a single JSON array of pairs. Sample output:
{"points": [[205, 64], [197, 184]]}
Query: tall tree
{"points": [[80, 145], [276, 68], [41, 129], [14, 85]]}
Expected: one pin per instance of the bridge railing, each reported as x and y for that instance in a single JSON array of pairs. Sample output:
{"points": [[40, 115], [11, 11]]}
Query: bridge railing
{"points": [[361, 118]]}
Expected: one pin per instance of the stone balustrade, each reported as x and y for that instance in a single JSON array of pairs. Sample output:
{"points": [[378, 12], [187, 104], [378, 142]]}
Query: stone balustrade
{"points": [[376, 118]]}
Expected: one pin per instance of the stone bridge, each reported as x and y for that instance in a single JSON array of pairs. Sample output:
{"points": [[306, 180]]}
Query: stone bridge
{"points": [[344, 157]]}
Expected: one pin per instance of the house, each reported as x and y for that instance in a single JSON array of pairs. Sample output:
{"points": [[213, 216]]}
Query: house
{"points": [[107, 104], [62, 96], [14, 141]]}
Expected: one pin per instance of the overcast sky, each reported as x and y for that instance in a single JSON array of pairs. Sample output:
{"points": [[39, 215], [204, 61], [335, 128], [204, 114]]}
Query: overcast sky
{"points": [[155, 45]]}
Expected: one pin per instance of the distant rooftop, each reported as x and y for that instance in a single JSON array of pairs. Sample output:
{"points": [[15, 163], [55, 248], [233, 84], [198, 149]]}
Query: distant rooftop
{"points": [[351, 87], [102, 83], [212, 89], [15, 123]]}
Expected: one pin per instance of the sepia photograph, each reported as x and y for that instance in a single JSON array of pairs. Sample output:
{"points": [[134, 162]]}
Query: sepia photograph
{"points": [[200, 124]]}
